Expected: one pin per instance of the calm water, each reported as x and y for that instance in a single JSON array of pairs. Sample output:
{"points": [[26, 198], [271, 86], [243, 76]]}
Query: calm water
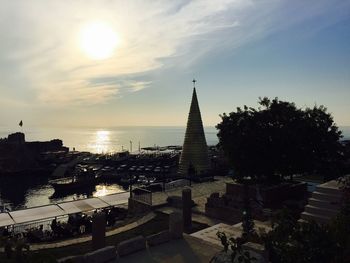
{"points": [[105, 140], [33, 191], [40, 193]]}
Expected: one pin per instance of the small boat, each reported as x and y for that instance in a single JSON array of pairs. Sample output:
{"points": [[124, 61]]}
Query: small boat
{"points": [[73, 184], [108, 174]]}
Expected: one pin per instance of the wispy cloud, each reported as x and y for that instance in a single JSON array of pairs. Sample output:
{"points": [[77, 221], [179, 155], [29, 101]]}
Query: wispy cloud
{"points": [[39, 49]]}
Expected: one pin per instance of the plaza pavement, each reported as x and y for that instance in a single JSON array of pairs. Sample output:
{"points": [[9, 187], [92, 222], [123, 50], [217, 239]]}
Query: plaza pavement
{"points": [[200, 192], [186, 250]]}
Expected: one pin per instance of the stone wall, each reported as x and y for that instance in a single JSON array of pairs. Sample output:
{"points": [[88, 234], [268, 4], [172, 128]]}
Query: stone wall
{"points": [[272, 196], [229, 206], [137, 207]]}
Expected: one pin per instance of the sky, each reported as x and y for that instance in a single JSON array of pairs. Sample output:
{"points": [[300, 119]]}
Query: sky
{"points": [[237, 50]]}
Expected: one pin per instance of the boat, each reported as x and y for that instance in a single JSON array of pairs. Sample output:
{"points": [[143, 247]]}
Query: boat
{"points": [[82, 179], [73, 184], [108, 174]]}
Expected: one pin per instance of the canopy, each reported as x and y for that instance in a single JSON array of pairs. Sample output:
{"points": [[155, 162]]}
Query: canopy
{"points": [[36, 213], [60, 209], [5, 220], [82, 205], [116, 199]]}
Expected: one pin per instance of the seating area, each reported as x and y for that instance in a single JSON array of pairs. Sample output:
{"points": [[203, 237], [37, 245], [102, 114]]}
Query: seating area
{"points": [[62, 220], [74, 225]]}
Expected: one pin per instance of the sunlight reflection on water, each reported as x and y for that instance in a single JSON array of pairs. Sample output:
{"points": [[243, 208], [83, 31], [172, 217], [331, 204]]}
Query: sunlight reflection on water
{"points": [[101, 142], [102, 190]]}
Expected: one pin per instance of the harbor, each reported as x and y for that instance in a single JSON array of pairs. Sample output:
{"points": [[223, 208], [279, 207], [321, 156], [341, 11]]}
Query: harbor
{"points": [[67, 175]]}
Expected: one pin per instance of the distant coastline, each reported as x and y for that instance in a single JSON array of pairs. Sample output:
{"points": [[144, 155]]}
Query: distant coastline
{"points": [[104, 140]]}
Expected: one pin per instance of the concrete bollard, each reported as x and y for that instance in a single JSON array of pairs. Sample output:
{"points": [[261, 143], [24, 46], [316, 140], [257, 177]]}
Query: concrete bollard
{"points": [[175, 225], [187, 208], [98, 231]]}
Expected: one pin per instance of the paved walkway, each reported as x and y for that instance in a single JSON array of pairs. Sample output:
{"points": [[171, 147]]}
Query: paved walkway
{"points": [[209, 234], [186, 250], [200, 191]]}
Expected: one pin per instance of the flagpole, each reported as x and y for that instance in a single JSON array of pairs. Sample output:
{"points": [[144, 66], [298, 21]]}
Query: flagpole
{"points": [[21, 125]]}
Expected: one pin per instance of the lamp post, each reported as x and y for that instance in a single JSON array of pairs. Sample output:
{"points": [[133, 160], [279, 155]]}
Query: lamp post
{"points": [[130, 183]]}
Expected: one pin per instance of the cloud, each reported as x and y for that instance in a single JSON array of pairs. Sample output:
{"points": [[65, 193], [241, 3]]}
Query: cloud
{"points": [[40, 54]]}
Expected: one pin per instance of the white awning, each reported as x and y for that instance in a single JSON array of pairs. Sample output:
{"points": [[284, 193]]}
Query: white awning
{"points": [[65, 208], [116, 199], [5, 220], [83, 205], [36, 213]]}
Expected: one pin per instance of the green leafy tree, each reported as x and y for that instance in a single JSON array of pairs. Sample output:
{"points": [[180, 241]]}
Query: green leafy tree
{"points": [[278, 139]]}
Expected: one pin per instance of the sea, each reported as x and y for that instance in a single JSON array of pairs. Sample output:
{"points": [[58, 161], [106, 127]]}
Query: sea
{"points": [[32, 192], [108, 140]]}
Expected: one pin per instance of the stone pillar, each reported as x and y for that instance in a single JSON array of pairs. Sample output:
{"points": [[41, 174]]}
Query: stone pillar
{"points": [[98, 230], [175, 225], [187, 208]]}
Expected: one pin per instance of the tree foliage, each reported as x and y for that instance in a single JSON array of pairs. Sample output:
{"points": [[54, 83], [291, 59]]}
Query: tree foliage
{"points": [[300, 242], [278, 139]]}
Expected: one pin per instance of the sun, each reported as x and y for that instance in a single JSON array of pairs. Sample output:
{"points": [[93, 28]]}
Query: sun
{"points": [[98, 40]]}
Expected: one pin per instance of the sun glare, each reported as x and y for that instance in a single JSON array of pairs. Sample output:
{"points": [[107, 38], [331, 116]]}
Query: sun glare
{"points": [[100, 142], [98, 40]]}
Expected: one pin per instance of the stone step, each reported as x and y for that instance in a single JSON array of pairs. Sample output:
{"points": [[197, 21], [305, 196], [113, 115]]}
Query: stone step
{"points": [[321, 211], [324, 204], [315, 217], [329, 190], [325, 197]]}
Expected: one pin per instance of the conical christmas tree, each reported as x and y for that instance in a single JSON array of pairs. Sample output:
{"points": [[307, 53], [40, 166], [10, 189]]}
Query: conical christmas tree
{"points": [[194, 151]]}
